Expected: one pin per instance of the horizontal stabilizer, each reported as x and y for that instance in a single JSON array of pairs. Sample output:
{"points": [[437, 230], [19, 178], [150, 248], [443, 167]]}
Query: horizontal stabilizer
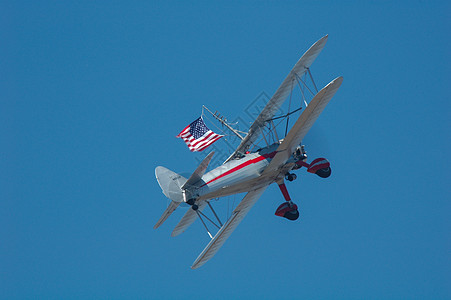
{"points": [[199, 172], [188, 219], [173, 206]]}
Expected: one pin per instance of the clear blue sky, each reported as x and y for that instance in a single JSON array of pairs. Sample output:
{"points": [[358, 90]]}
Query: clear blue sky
{"points": [[93, 94]]}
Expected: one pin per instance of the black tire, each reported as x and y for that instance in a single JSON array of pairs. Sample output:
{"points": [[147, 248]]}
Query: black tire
{"points": [[292, 215], [291, 177], [324, 173]]}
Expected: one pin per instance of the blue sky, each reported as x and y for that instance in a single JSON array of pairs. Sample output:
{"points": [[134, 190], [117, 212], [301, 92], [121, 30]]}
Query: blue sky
{"points": [[93, 94]]}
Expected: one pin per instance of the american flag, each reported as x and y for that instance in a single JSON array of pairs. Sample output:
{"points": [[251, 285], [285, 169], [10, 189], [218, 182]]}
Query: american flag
{"points": [[197, 135]]}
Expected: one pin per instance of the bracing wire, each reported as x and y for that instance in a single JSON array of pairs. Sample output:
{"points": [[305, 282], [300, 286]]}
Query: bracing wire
{"points": [[302, 91], [221, 130], [289, 107], [311, 78]]}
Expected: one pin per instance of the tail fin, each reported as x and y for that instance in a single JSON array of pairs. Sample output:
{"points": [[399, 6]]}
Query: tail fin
{"points": [[174, 185], [171, 183]]}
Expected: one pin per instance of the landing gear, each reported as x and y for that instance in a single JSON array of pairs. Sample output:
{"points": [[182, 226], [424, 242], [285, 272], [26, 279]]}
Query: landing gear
{"points": [[192, 203], [300, 153], [288, 210], [320, 167]]}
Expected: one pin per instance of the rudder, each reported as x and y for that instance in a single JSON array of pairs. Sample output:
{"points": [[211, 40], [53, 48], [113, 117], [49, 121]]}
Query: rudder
{"points": [[170, 183]]}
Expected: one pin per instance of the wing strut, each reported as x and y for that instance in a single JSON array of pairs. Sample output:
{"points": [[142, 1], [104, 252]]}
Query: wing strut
{"points": [[217, 218], [205, 225], [299, 80], [200, 214], [311, 78]]}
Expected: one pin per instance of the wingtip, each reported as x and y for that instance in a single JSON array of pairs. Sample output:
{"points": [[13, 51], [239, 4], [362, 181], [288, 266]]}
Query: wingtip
{"points": [[197, 264], [336, 82], [320, 43], [175, 233]]}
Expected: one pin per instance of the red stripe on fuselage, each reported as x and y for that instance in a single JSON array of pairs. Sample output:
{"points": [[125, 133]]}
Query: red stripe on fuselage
{"points": [[245, 164]]}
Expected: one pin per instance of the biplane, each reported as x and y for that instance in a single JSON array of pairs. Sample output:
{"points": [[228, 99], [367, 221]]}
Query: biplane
{"points": [[251, 171]]}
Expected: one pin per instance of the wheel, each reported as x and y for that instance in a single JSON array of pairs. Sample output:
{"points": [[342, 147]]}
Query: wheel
{"points": [[290, 177], [324, 173], [292, 215]]}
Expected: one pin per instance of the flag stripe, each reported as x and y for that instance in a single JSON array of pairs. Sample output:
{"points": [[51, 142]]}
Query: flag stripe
{"points": [[210, 142], [183, 131], [197, 136]]}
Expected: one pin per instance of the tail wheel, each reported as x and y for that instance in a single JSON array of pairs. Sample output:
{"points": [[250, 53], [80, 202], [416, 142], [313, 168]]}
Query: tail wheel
{"points": [[324, 173], [290, 177]]}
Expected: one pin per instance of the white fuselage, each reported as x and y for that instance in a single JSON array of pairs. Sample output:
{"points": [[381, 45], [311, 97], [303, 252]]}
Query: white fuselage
{"points": [[237, 176]]}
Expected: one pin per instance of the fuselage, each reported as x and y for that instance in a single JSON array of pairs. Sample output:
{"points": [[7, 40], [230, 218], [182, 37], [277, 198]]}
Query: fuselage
{"points": [[238, 175]]}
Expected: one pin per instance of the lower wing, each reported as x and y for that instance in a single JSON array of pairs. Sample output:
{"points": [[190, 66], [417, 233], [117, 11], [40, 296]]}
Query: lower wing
{"points": [[226, 230]]}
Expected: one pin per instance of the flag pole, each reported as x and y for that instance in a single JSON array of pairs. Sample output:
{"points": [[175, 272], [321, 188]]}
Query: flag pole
{"points": [[223, 122]]}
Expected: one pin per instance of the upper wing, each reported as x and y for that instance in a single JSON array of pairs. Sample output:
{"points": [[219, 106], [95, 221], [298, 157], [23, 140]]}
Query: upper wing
{"points": [[226, 230], [280, 95], [303, 124]]}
